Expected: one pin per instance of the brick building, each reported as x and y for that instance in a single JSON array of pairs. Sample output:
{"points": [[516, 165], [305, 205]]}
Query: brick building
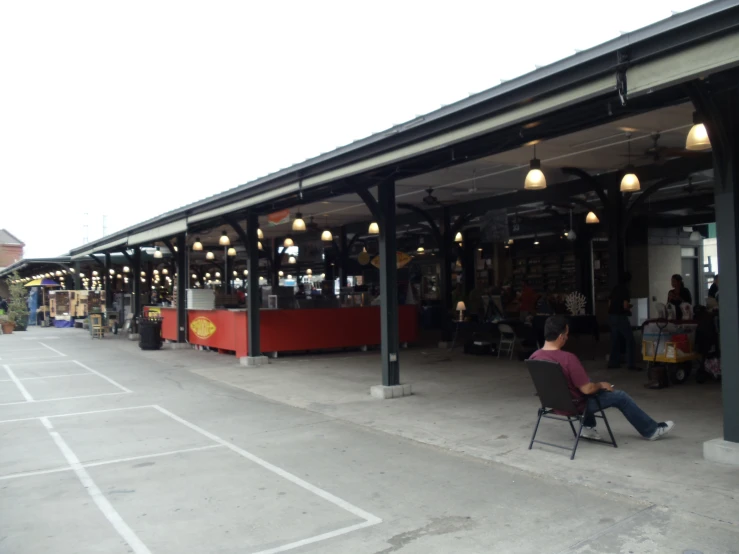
{"points": [[11, 250]]}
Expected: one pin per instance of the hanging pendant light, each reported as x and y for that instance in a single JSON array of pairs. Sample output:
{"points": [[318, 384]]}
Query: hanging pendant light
{"points": [[158, 253], [291, 260], [281, 273], [235, 273], [327, 236], [458, 237], [224, 240], [260, 234], [535, 179], [374, 228], [209, 256], [288, 242], [111, 271], [218, 274], [197, 246], [246, 272], [165, 271], [259, 246], [697, 139], [591, 218], [231, 251], [630, 182], [207, 275], [309, 271], [298, 223]]}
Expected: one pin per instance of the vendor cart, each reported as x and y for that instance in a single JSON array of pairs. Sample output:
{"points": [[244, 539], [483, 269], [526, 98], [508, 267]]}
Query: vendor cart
{"points": [[668, 350]]}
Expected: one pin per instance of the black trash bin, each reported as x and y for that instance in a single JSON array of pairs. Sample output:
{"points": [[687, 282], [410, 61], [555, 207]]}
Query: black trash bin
{"points": [[150, 331]]}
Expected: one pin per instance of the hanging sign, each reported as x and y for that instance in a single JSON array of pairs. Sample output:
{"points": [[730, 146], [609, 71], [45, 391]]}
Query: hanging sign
{"points": [[279, 218], [402, 259], [494, 226]]}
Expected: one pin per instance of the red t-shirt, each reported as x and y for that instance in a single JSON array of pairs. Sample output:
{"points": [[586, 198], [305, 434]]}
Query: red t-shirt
{"points": [[572, 368]]}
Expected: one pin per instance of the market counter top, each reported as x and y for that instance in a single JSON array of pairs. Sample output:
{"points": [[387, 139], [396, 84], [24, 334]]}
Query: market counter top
{"points": [[289, 330]]}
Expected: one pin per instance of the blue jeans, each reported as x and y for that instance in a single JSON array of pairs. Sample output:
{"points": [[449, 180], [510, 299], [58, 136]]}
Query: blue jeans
{"points": [[621, 332], [619, 399]]}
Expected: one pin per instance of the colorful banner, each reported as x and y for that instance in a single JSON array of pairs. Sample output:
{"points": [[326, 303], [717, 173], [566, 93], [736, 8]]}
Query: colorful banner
{"points": [[278, 218]]}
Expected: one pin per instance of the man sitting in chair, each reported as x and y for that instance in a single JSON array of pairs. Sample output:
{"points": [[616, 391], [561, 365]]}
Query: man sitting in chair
{"points": [[556, 332]]}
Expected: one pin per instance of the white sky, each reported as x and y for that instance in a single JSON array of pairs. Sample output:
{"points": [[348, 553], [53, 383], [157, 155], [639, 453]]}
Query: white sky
{"points": [[130, 109]]}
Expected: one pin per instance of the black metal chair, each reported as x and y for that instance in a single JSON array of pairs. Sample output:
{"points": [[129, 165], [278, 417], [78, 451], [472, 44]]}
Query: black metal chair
{"points": [[554, 394]]}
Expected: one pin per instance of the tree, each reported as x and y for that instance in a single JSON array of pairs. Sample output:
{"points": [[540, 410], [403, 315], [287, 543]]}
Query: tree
{"points": [[17, 302]]}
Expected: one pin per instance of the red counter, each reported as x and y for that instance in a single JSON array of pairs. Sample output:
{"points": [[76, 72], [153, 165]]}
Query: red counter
{"points": [[289, 330]]}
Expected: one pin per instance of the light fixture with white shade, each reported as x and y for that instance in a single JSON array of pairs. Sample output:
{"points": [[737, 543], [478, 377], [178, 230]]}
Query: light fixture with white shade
{"points": [[458, 237], [71, 270], [158, 253], [194, 276], [197, 246], [207, 275], [156, 272], [231, 251], [259, 246], [111, 271], [697, 139], [374, 228], [209, 256], [290, 277], [630, 182], [288, 242], [224, 240], [260, 234], [298, 223], [309, 271], [125, 269], [291, 260], [246, 272], [461, 308], [591, 218], [281, 273], [165, 271], [235, 273], [327, 236], [535, 179], [94, 274], [218, 274], [420, 249]]}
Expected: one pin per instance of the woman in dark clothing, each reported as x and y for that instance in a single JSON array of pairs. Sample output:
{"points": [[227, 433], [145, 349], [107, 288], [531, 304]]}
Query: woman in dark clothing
{"points": [[678, 295]]}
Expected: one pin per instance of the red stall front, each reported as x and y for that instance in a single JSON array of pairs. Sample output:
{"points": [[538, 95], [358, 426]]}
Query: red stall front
{"points": [[290, 330]]}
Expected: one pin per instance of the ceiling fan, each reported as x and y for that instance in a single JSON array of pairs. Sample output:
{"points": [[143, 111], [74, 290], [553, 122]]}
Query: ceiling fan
{"points": [[659, 154], [471, 191], [430, 199]]}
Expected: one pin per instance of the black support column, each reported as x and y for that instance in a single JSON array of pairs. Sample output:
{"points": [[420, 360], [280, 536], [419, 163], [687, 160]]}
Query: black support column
{"points": [[616, 234], [108, 284], [135, 281], [388, 286], [182, 275], [343, 258], [77, 280], [720, 112], [253, 299]]}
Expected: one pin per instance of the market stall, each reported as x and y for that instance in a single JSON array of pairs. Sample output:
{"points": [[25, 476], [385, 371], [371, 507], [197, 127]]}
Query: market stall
{"points": [[289, 330]]}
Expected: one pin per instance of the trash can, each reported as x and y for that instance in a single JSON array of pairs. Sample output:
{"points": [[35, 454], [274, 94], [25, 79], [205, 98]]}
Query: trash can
{"points": [[150, 331]]}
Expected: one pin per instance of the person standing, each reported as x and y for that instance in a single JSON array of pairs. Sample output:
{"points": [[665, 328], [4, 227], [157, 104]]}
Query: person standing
{"points": [[619, 311], [678, 295], [713, 291]]}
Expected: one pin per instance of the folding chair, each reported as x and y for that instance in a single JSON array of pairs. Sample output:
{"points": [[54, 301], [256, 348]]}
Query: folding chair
{"points": [[507, 340], [554, 394]]}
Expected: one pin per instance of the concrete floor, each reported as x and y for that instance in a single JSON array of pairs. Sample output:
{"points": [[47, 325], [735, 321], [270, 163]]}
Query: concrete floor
{"points": [[106, 448]]}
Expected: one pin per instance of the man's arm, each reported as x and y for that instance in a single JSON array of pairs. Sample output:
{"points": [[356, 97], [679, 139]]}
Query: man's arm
{"points": [[592, 388]]}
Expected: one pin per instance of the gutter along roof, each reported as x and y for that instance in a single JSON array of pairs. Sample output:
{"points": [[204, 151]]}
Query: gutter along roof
{"points": [[585, 75]]}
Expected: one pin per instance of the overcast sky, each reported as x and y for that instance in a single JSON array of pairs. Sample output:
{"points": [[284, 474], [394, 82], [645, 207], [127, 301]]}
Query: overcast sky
{"points": [[130, 109]]}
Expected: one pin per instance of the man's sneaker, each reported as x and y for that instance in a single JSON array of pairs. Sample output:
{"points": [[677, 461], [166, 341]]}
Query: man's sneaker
{"points": [[662, 429], [590, 433]]}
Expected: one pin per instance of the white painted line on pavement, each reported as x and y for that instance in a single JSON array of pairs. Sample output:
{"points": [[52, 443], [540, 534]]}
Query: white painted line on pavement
{"points": [[370, 519], [56, 360], [64, 398], [96, 494], [108, 462], [72, 414], [18, 384], [53, 349], [48, 377], [317, 538], [102, 376], [15, 360]]}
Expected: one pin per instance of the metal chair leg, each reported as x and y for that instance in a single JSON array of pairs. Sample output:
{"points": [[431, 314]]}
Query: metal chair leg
{"points": [[536, 428], [572, 427], [577, 439], [605, 420]]}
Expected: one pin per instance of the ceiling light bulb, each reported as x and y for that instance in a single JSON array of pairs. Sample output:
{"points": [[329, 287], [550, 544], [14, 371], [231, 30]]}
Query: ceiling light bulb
{"points": [[630, 182], [259, 246], [697, 139], [218, 274], [126, 269], [224, 240], [290, 277], [236, 273], [209, 256], [535, 179], [165, 271], [207, 275], [246, 272], [298, 223], [194, 276], [420, 250], [591, 218], [157, 253], [374, 228], [111, 271], [143, 273], [197, 245], [309, 271], [281, 273], [94, 274], [291, 260], [231, 251], [288, 242], [260, 234], [327, 236], [458, 237]]}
